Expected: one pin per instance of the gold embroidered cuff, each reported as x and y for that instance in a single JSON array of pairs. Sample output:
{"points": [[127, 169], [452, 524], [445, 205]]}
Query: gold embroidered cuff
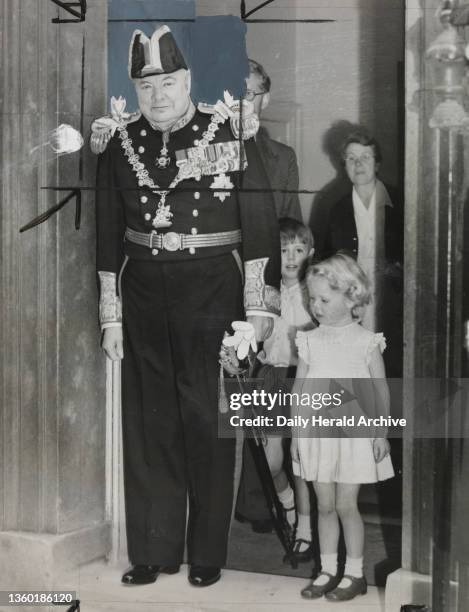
{"points": [[110, 310], [257, 295]]}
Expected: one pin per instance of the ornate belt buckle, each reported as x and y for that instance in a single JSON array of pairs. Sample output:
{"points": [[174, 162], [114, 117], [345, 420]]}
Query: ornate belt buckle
{"points": [[172, 241]]}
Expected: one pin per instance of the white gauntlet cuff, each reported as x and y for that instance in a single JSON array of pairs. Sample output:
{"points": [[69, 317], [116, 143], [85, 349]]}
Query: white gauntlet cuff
{"points": [[110, 309], [257, 295]]}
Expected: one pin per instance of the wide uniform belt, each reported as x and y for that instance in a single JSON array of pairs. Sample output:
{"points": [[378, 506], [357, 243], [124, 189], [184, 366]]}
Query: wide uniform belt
{"points": [[172, 241]]}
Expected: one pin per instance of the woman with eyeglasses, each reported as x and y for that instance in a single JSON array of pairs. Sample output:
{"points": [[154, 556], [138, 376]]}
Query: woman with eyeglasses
{"points": [[367, 223]]}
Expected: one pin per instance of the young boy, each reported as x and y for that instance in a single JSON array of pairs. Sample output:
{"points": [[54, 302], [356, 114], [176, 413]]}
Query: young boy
{"points": [[279, 359]]}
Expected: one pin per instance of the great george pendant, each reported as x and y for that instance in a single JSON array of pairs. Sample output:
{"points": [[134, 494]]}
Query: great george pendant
{"points": [[163, 160], [163, 213]]}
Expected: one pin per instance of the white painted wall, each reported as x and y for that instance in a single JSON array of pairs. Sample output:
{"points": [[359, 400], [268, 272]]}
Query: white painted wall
{"points": [[325, 73]]}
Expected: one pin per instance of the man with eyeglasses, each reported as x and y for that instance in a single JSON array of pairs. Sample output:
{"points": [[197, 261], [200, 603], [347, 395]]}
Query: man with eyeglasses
{"points": [[279, 160]]}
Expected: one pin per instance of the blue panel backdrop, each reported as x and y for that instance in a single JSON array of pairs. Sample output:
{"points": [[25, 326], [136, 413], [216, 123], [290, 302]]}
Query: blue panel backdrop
{"points": [[214, 47]]}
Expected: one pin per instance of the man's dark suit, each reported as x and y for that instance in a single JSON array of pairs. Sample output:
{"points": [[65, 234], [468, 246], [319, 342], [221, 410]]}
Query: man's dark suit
{"points": [[282, 170]]}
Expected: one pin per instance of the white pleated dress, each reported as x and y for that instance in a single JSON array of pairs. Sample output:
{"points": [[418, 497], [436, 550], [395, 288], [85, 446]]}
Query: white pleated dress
{"points": [[338, 353]]}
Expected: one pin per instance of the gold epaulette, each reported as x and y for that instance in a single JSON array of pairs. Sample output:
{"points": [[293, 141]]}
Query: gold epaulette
{"points": [[102, 129]]}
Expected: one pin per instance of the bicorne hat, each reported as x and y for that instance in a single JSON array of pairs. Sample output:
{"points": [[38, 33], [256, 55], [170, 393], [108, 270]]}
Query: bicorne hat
{"points": [[156, 55]]}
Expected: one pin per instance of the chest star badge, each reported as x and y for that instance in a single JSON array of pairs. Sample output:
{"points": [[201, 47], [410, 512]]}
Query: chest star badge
{"points": [[221, 181]]}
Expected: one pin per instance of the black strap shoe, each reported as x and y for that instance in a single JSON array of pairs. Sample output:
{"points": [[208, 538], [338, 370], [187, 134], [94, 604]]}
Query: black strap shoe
{"points": [[146, 574], [315, 591], [357, 587], [305, 555], [202, 576]]}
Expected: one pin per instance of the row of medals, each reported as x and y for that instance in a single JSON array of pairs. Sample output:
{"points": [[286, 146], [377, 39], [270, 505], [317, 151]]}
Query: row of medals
{"points": [[163, 214]]}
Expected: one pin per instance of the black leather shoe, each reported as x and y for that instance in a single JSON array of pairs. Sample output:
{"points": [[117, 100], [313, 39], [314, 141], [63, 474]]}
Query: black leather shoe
{"points": [[357, 587], [201, 576], [146, 574], [258, 526], [315, 591]]}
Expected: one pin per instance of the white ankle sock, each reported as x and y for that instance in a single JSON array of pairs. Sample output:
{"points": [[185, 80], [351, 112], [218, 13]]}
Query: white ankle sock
{"points": [[354, 567], [303, 530], [287, 499], [328, 564]]}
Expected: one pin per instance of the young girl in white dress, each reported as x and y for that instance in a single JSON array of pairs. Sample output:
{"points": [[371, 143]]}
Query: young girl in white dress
{"points": [[340, 348]]}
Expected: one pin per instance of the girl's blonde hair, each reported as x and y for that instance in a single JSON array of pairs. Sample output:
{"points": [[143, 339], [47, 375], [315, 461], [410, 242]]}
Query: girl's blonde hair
{"points": [[344, 274]]}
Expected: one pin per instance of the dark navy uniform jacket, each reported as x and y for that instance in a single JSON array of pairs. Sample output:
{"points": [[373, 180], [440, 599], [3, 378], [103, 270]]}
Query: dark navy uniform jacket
{"points": [[122, 203]]}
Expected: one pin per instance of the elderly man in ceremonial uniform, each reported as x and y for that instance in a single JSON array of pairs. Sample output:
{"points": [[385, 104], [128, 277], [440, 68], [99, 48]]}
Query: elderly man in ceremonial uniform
{"points": [[175, 238]]}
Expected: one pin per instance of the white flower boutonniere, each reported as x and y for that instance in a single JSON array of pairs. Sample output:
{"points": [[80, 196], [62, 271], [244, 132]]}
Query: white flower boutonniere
{"points": [[242, 340]]}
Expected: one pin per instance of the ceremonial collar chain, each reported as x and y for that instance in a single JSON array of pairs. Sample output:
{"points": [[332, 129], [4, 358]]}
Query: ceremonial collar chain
{"points": [[163, 160], [163, 212]]}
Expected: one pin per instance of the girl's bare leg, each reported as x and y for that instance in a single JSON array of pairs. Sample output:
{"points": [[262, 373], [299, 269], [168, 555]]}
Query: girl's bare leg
{"points": [[350, 517], [354, 531]]}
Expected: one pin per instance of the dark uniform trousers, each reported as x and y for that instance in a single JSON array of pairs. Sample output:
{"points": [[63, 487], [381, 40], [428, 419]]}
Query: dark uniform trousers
{"points": [[175, 314]]}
